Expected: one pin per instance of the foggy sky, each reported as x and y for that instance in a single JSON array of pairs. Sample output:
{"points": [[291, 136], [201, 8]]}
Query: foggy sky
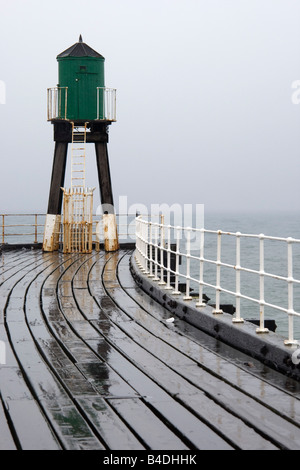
{"points": [[204, 99]]}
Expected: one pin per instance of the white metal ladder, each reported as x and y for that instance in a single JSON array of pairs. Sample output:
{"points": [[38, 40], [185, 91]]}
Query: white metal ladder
{"points": [[78, 157], [78, 174], [78, 200]]}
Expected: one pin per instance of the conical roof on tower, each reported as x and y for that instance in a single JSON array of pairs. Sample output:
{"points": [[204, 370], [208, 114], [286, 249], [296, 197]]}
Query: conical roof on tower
{"points": [[79, 49]]}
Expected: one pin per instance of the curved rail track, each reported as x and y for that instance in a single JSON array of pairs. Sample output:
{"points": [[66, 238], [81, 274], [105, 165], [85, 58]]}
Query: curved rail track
{"points": [[92, 363]]}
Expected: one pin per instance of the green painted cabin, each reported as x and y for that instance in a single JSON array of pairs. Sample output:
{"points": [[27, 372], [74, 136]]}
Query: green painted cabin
{"points": [[81, 70]]}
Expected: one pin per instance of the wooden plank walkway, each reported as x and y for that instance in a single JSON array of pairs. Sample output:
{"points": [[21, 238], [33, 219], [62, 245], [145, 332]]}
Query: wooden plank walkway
{"points": [[91, 363]]}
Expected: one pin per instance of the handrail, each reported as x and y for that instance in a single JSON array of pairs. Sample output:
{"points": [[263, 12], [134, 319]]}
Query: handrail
{"points": [[57, 103], [153, 253], [106, 103], [15, 229]]}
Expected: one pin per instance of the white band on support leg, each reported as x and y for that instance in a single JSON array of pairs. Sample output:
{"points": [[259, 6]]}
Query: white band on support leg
{"points": [[111, 242], [51, 232]]}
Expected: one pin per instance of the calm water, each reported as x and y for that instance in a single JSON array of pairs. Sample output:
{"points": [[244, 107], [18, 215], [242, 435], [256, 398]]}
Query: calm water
{"points": [[277, 224]]}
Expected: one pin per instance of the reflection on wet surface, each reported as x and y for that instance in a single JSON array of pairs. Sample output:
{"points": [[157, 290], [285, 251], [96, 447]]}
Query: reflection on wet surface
{"points": [[92, 359]]}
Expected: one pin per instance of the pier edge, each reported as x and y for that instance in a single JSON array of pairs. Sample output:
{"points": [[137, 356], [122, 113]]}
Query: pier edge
{"points": [[267, 348]]}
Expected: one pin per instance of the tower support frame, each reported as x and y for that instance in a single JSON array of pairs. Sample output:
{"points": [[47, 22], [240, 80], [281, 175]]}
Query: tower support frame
{"points": [[62, 135]]}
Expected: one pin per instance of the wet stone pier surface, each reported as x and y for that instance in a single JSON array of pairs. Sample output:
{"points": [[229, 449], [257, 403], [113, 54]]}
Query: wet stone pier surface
{"points": [[91, 363]]}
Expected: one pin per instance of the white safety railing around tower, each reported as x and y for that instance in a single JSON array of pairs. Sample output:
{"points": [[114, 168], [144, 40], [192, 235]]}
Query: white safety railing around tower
{"points": [[106, 104], [57, 103], [157, 244]]}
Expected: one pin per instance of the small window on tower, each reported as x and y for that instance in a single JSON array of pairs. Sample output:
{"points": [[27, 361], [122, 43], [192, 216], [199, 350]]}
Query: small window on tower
{"points": [[82, 68]]}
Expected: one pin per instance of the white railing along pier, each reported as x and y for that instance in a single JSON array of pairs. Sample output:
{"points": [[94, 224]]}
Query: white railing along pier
{"points": [[157, 242]]}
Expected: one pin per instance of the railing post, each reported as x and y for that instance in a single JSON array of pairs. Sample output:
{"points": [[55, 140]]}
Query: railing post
{"points": [[56, 102], [48, 104], [217, 309], [261, 328], [59, 102], [146, 245], [150, 250], [188, 263], [97, 103], [137, 241], [3, 228], [237, 318], [200, 302], [156, 278], [66, 101], [290, 281], [176, 291], [35, 229], [143, 245], [162, 244], [168, 286], [140, 243]]}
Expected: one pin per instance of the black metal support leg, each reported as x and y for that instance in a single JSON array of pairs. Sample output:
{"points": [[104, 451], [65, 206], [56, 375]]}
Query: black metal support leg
{"points": [[58, 178], [109, 219], [52, 223]]}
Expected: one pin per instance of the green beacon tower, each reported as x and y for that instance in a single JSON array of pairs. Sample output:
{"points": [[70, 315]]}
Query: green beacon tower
{"points": [[81, 109], [81, 76]]}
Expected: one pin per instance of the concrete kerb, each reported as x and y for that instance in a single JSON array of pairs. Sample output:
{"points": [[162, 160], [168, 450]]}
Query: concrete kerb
{"points": [[266, 347]]}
